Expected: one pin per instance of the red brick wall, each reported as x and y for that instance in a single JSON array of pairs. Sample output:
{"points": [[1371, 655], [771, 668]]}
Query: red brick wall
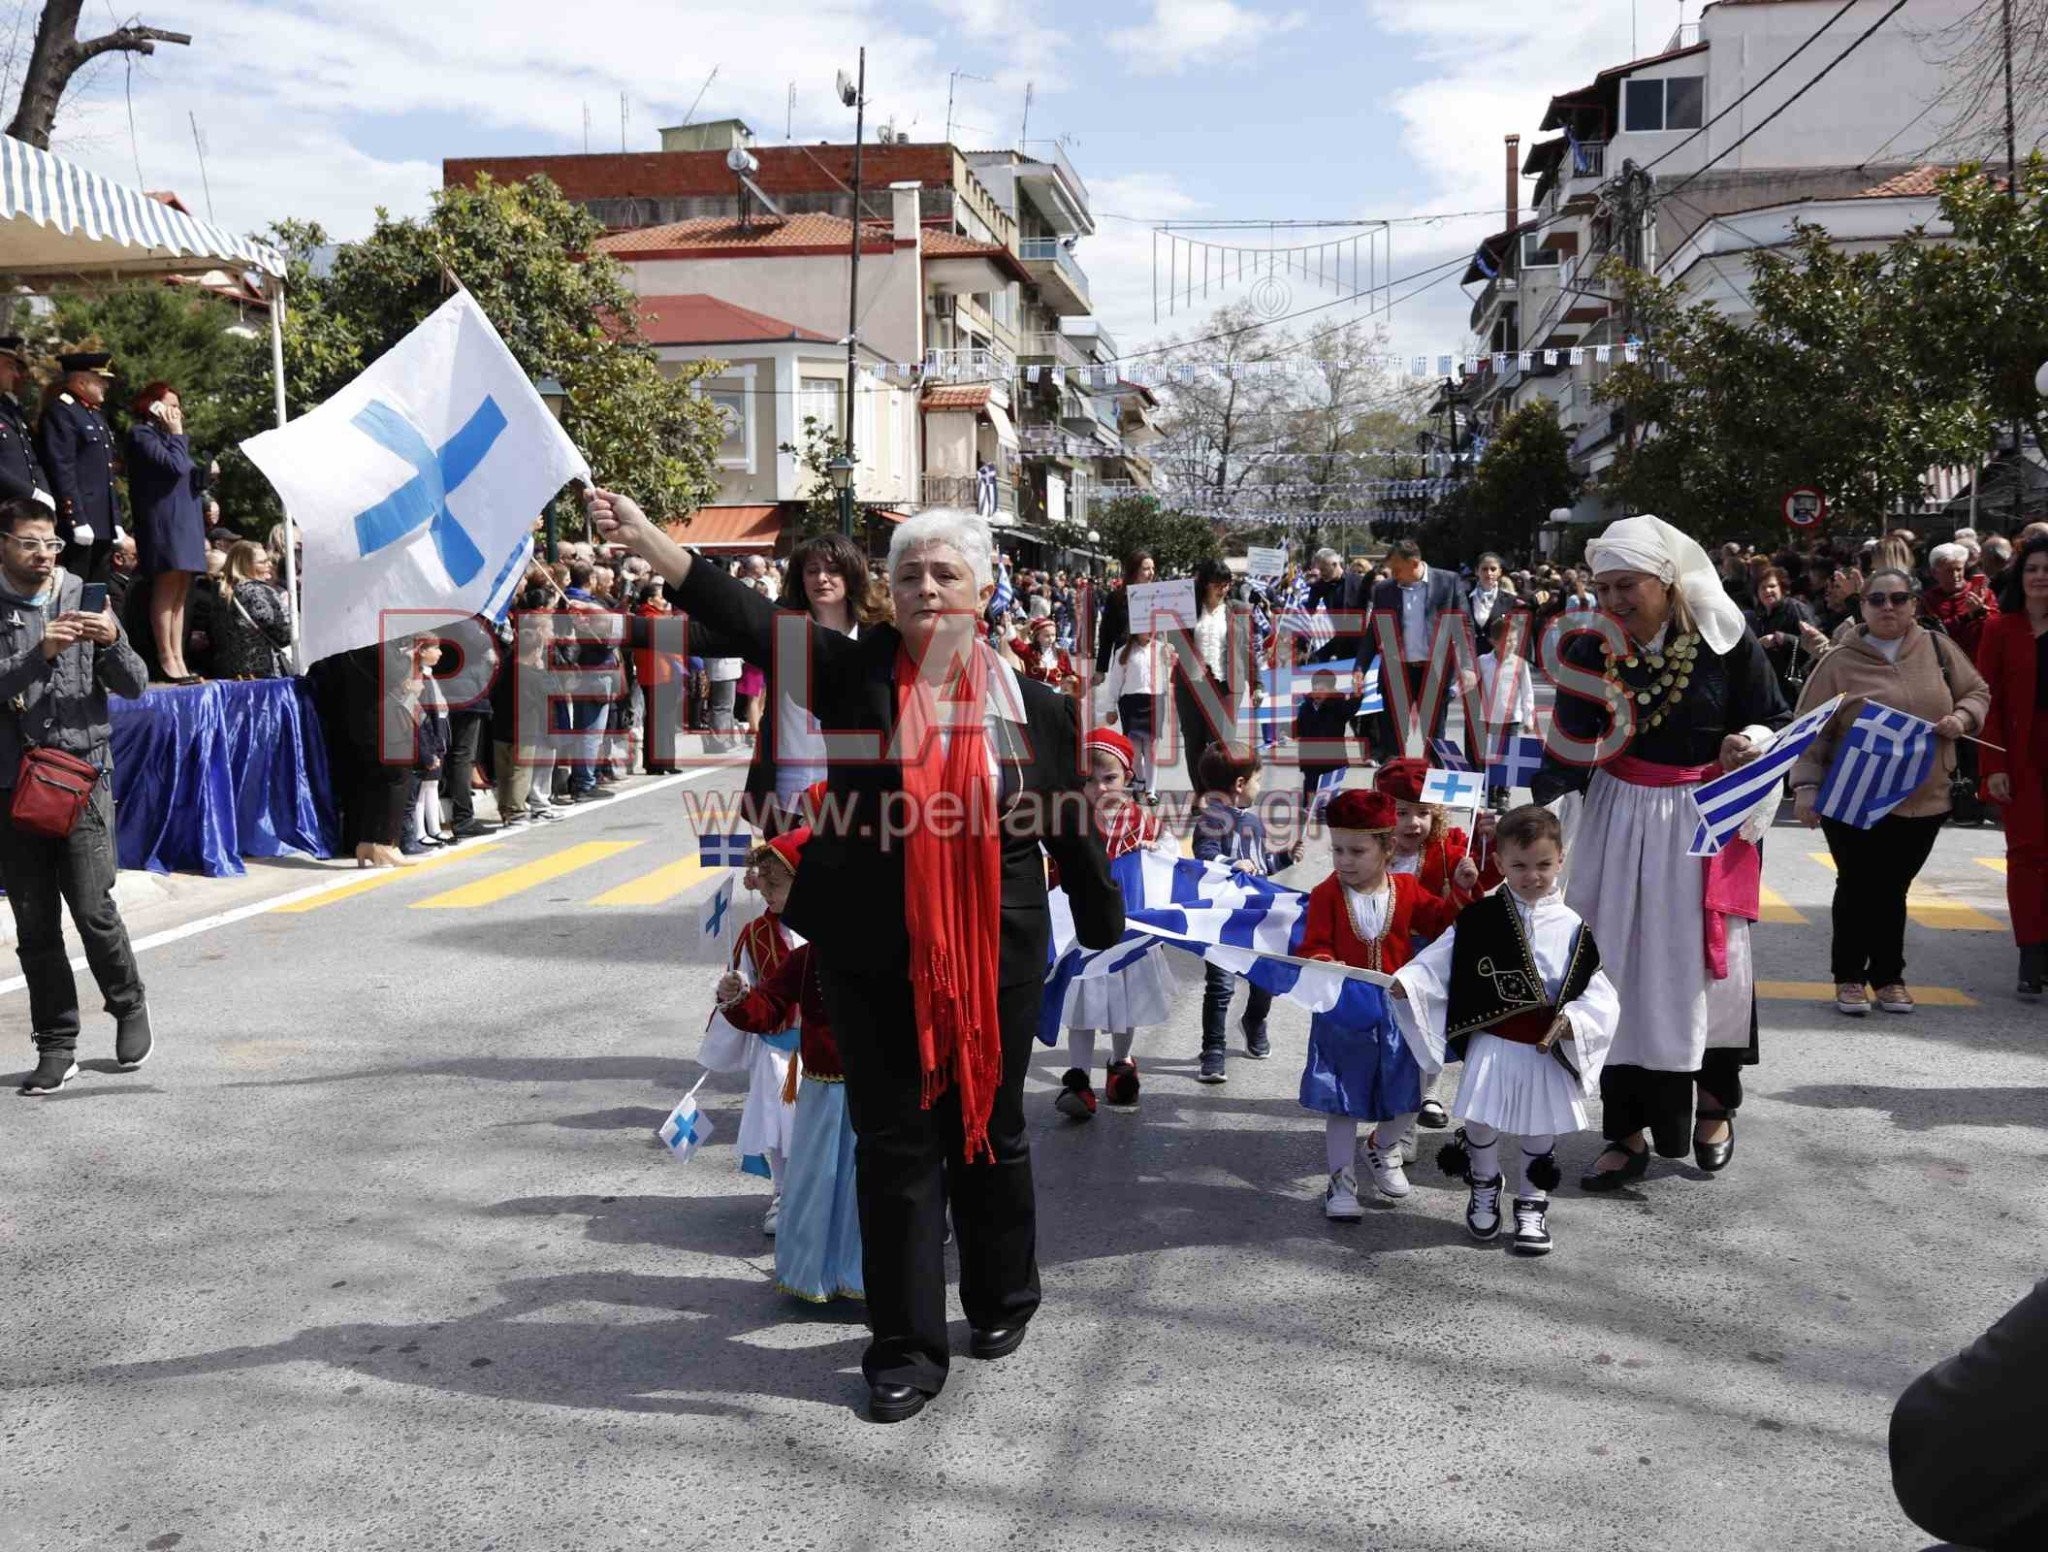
{"points": [[677, 174]]}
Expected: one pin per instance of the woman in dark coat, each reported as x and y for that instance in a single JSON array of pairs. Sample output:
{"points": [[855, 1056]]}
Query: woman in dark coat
{"points": [[922, 893], [252, 623], [164, 487]]}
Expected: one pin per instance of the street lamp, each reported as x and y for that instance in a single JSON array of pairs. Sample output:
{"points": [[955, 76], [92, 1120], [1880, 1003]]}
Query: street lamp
{"points": [[554, 396], [840, 472]]}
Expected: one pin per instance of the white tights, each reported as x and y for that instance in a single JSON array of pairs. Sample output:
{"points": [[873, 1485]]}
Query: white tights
{"points": [[1340, 1138], [1483, 1143], [1081, 1047]]}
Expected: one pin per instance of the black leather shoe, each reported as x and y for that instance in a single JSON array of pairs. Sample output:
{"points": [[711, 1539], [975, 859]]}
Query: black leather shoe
{"points": [[1637, 1166], [1713, 1157], [996, 1342], [893, 1403]]}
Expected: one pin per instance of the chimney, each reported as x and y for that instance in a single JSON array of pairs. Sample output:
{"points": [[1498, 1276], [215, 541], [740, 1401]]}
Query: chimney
{"points": [[904, 203], [1514, 181]]}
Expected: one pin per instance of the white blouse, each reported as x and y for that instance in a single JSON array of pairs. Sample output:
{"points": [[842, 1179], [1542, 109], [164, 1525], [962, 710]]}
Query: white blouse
{"points": [[1368, 912]]}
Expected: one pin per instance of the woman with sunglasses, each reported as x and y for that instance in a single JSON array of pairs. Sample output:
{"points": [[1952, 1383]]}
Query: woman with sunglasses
{"points": [[1891, 660]]}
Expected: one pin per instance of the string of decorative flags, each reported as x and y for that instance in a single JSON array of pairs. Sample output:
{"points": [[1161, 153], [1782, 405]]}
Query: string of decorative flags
{"points": [[979, 365]]}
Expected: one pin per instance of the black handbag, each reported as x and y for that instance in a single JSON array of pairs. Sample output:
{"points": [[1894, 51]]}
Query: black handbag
{"points": [[1965, 807]]}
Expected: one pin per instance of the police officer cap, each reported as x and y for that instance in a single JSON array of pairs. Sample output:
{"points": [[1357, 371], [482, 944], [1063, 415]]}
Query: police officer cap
{"points": [[86, 361], [11, 345]]}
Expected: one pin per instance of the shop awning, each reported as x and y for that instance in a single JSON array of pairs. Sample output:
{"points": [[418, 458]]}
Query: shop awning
{"points": [[57, 219], [731, 530], [1006, 433]]}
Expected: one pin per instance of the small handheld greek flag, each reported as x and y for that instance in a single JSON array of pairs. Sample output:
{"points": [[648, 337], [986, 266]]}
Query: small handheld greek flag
{"points": [[1518, 764], [1883, 759], [1449, 755], [1726, 803], [687, 1128], [1004, 597], [1315, 628], [724, 851], [1330, 784]]}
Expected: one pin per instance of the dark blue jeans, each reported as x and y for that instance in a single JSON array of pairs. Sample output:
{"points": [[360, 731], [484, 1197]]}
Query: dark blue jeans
{"points": [[1217, 988], [42, 877], [589, 718]]}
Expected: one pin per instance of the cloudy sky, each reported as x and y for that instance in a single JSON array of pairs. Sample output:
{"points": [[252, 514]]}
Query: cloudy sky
{"points": [[1174, 109]]}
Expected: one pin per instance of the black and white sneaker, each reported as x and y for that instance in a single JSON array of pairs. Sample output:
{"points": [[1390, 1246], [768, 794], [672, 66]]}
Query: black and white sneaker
{"points": [[1482, 1209], [54, 1069], [1532, 1230], [132, 1039]]}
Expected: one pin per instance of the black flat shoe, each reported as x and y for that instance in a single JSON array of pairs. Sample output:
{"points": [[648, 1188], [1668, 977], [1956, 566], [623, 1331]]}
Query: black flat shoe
{"points": [[996, 1342], [1713, 1157], [1638, 1165], [893, 1403], [1433, 1117]]}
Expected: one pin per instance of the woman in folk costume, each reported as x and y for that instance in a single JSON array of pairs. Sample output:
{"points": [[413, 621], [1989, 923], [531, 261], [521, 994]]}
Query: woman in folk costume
{"points": [[1140, 995], [767, 1119], [952, 777], [1687, 695], [1515, 991], [817, 1246], [1369, 917]]}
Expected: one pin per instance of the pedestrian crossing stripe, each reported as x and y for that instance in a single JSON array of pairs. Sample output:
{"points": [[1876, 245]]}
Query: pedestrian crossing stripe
{"points": [[381, 877], [660, 886], [503, 885], [1824, 991], [1774, 907], [1931, 908], [1995, 864]]}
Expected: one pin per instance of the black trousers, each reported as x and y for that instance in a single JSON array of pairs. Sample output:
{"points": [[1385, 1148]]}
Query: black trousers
{"points": [[89, 562], [909, 1162], [1873, 870], [1193, 727], [1637, 1099], [465, 736], [42, 877], [1392, 745]]}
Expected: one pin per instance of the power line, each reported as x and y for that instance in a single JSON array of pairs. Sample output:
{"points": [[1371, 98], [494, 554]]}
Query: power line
{"points": [[1765, 80]]}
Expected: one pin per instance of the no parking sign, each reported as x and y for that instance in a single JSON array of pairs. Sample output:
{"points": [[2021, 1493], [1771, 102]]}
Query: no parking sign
{"points": [[1805, 507]]}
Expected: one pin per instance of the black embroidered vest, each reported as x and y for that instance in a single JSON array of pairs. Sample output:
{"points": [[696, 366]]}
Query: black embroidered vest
{"points": [[1495, 984]]}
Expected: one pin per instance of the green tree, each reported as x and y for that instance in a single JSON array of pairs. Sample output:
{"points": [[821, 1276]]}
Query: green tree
{"points": [[814, 455], [1177, 540], [1524, 475]]}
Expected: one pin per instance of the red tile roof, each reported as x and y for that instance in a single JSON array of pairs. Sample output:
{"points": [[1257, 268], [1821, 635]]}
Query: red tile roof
{"points": [[1923, 181], [706, 320], [679, 174], [956, 396]]}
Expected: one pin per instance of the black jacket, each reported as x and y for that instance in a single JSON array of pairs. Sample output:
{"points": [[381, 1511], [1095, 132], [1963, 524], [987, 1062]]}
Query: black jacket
{"points": [[1446, 596], [848, 899], [1350, 593], [78, 452], [21, 474]]}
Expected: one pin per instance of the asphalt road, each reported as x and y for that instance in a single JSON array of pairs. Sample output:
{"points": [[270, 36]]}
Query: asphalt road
{"points": [[379, 1252]]}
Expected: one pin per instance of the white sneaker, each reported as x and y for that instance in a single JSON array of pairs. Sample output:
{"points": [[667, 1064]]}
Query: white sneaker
{"points": [[1340, 1200], [1387, 1174], [1482, 1211], [773, 1216], [1532, 1230]]}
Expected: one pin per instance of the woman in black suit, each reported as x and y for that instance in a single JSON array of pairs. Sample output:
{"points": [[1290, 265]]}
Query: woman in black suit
{"points": [[922, 892]]}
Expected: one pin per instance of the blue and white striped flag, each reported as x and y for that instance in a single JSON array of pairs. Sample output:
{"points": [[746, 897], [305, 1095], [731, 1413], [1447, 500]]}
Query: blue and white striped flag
{"points": [[687, 1128], [1726, 803], [1001, 600], [1448, 755], [1240, 922], [724, 851], [1315, 628], [1327, 787], [1883, 758], [1518, 764]]}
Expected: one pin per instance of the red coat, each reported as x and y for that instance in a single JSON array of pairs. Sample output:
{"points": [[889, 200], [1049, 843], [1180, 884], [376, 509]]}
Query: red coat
{"points": [[2005, 657], [1440, 860], [789, 991], [1328, 934], [1061, 671], [1963, 615]]}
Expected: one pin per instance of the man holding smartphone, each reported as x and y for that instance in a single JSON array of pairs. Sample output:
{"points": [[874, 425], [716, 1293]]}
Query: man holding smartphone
{"points": [[59, 658]]}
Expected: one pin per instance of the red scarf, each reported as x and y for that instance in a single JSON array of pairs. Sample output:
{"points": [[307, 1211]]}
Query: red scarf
{"points": [[952, 886]]}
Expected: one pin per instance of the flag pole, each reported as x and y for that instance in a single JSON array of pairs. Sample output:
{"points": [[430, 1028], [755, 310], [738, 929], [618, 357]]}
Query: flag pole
{"points": [[296, 608]]}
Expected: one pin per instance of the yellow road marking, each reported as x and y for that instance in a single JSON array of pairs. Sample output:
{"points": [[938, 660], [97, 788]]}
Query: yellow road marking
{"points": [[1995, 864], [528, 875], [380, 877], [1775, 908], [1824, 991], [660, 886], [1931, 908]]}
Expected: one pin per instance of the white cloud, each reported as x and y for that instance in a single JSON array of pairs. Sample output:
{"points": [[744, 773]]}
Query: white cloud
{"points": [[1181, 33]]}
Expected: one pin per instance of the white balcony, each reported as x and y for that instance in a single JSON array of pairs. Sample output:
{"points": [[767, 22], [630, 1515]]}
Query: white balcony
{"points": [[970, 364], [1060, 279]]}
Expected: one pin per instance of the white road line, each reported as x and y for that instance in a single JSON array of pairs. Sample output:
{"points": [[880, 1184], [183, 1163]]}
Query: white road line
{"points": [[219, 919]]}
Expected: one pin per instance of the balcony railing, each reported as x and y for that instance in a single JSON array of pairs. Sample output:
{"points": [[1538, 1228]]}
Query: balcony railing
{"points": [[1059, 349], [1686, 35], [970, 364], [1054, 251], [1588, 159], [964, 490]]}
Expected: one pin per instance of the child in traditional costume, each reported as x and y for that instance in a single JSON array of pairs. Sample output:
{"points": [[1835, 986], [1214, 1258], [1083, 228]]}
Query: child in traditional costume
{"points": [[1515, 990], [767, 1118], [1431, 848], [817, 1246], [1366, 916], [1140, 995], [1230, 830]]}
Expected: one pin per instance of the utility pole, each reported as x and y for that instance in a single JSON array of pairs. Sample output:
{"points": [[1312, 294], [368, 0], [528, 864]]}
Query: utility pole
{"points": [[2012, 189], [859, 104]]}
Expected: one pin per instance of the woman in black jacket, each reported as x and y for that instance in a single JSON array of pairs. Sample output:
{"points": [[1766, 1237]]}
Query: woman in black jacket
{"points": [[164, 487], [1785, 628]]}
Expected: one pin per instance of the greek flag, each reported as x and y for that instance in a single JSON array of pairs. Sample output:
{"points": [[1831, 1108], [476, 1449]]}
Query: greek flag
{"points": [[1000, 601], [1240, 922], [1726, 803], [687, 1128], [1315, 628], [724, 851], [1519, 763], [1331, 783], [1884, 757], [1448, 755]]}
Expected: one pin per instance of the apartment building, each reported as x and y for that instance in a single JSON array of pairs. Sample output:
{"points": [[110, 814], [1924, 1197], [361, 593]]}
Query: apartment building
{"points": [[1682, 163]]}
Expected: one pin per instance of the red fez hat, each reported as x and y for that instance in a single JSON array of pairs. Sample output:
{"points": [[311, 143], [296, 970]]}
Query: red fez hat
{"points": [[789, 845], [1112, 743], [1357, 809], [1402, 780]]}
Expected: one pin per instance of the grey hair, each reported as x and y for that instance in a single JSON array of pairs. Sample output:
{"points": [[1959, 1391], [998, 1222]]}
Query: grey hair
{"points": [[1325, 554], [1942, 552], [957, 527]]}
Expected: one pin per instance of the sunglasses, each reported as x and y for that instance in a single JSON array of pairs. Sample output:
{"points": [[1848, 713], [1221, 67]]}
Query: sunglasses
{"points": [[1896, 600]]}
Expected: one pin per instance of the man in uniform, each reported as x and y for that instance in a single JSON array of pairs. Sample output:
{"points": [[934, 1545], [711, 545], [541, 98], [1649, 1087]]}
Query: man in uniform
{"points": [[20, 473], [78, 452]]}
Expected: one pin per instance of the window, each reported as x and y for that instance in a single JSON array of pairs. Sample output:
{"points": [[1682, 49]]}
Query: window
{"points": [[1674, 103], [820, 399], [1537, 257]]}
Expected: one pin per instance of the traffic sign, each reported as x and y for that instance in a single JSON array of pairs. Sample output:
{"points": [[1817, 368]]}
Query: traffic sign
{"points": [[1805, 507]]}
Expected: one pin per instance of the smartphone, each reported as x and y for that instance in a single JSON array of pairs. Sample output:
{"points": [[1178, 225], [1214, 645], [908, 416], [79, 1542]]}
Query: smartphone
{"points": [[93, 600]]}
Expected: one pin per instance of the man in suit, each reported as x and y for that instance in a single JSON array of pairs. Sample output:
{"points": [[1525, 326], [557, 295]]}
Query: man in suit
{"points": [[936, 1098], [1414, 597], [1340, 591], [78, 452], [20, 473]]}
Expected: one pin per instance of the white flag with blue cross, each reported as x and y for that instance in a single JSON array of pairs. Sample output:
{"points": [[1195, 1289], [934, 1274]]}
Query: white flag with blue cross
{"points": [[416, 487], [686, 1128]]}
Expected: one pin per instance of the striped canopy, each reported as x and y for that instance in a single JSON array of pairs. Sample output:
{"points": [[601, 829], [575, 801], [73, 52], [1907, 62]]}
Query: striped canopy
{"points": [[57, 219]]}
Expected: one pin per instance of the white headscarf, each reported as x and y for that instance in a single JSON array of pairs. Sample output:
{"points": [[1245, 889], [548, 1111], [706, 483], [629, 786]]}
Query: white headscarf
{"points": [[1652, 546]]}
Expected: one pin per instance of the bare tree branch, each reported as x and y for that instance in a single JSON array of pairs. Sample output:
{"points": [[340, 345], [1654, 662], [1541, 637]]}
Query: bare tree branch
{"points": [[59, 54]]}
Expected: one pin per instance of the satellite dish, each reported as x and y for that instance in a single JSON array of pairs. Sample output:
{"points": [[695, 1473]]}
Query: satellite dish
{"points": [[742, 161], [847, 93]]}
